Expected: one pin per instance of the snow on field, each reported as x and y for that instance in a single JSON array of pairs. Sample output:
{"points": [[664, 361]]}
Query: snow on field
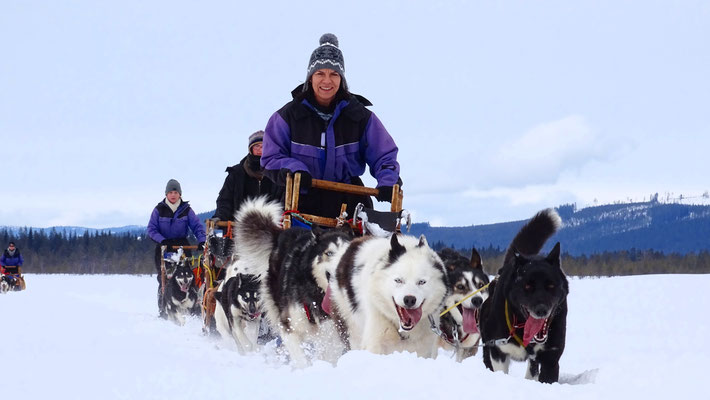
{"points": [[88, 337]]}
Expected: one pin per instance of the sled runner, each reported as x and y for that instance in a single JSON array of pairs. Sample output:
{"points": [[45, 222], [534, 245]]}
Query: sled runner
{"points": [[364, 221]]}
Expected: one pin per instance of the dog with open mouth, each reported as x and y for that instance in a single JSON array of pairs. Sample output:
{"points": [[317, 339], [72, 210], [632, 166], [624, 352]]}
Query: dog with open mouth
{"points": [[238, 311], [181, 297], [460, 327], [525, 317], [385, 290]]}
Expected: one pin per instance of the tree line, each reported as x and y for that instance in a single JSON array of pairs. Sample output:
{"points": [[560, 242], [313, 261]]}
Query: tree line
{"points": [[58, 252]]}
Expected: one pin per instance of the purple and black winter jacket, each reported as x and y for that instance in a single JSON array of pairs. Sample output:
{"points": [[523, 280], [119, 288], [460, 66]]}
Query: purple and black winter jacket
{"points": [[298, 139], [14, 260], [164, 224]]}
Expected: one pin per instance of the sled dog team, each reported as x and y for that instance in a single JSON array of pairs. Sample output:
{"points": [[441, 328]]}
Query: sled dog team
{"points": [[324, 292]]}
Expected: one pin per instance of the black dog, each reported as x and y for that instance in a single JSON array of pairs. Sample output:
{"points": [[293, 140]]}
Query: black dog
{"points": [[526, 315]]}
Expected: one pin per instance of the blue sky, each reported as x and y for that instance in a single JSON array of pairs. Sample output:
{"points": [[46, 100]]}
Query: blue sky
{"points": [[498, 109]]}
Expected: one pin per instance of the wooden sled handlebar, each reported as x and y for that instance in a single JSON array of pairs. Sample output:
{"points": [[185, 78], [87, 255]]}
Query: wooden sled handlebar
{"points": [[344, 187], [293, 186], [189, 247]]}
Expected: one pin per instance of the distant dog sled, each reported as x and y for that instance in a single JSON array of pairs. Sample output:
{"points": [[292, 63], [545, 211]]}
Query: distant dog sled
{"points": [[11, 281]]}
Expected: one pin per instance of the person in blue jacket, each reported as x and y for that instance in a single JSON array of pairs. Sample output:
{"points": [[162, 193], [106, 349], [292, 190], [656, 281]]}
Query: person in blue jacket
{"points": [[169, 225], [11, 261], [327, 133]]}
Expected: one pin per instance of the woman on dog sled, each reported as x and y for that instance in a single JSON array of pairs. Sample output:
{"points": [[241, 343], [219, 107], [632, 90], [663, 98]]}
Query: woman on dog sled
{"points": [[10, 266], [326, 133], [168, 226]]}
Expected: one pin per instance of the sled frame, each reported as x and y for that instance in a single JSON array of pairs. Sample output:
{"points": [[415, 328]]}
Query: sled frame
{"points": [[293, 186]]}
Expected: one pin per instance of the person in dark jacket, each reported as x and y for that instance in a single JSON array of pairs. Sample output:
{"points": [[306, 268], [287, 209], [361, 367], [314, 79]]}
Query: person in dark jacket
{"points": [[169, 225], [327, 133], [244, 180], [11, 262]]}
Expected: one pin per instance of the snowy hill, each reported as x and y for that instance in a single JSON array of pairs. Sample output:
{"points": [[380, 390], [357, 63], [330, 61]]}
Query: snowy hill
{"points": [[89, 337], [672, 227]]}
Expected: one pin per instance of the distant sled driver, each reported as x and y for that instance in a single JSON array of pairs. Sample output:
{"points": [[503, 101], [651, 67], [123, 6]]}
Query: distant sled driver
{"points": [[11, 262], [169, 225]]}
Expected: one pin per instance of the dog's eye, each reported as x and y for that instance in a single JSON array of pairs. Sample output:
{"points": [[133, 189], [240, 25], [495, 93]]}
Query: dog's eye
{"points": [[329, 253], [327, 275], [398, 281], [421, 282], [479, 285], [528, 287], [550, 286], [460, 286]]}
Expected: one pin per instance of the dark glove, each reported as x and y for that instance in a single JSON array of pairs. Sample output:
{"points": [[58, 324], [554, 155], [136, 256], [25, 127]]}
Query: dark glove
{"points": [[201, 246], [385, 193], [306, 180]]}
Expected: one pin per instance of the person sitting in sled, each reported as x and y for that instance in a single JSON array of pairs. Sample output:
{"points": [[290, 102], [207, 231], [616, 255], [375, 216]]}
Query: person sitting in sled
{"points": [[243, 181], [11, 262], [327, 133], [169, 225]]}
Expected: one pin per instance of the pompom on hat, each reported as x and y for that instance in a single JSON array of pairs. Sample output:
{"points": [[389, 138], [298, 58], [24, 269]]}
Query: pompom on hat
{"points": [[327, 55]]}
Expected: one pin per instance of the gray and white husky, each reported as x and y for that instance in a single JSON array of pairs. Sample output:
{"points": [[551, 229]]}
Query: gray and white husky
{"points": [[384, 291], [292, 267]]}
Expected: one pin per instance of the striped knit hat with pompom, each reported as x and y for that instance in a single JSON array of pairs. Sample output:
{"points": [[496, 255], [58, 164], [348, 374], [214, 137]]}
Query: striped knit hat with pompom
{"points": [[327, 55]]}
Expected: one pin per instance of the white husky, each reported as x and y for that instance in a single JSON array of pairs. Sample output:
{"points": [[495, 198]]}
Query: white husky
{"points": [[385, 289]]}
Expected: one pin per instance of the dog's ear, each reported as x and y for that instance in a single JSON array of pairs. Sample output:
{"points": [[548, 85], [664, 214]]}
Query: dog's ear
{"points": [[396, 249], [476, 259], [554, 256], [422, 241]]}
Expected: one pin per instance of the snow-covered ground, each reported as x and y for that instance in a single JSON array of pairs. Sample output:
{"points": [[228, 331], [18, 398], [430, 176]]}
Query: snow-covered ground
{"points": [[89, 337]]}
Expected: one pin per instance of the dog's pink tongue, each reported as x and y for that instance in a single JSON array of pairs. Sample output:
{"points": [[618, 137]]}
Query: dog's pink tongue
{"points": [[415, 314], [532, 327], [469, 320], [325, 305]]}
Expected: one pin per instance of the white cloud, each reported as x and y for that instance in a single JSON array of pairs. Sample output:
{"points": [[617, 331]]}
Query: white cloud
{"points": [[542, 154]]}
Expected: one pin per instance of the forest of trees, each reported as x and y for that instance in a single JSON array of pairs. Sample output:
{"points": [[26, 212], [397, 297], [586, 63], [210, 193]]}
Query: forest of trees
{"points": [[51, 252]]}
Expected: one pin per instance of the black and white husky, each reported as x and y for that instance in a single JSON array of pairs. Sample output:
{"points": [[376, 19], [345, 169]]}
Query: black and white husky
{"points": [[384, 291], [292, 266], [526, 315], [238, 310], [4, 284], [460, 327], [180, 292]]}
